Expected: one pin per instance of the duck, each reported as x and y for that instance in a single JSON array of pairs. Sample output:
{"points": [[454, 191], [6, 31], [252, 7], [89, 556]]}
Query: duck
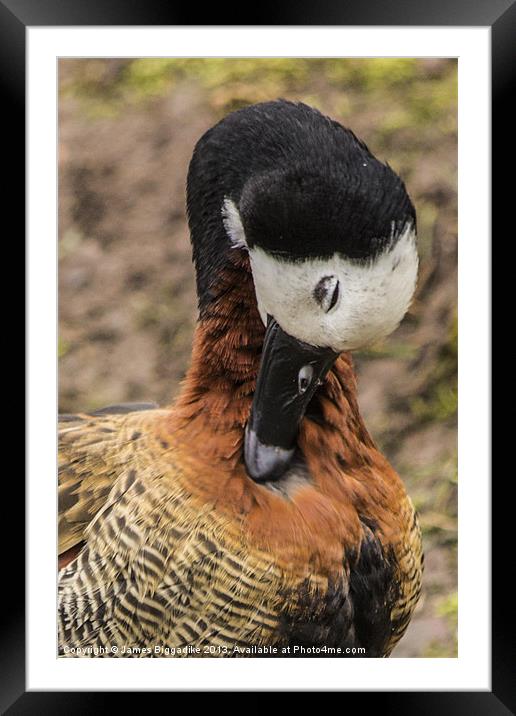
{"points": [[255, 516]]}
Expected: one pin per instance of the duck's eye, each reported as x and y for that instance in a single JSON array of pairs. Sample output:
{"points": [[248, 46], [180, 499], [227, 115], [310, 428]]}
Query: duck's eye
{"points": [[304, 378], [326, 293]]}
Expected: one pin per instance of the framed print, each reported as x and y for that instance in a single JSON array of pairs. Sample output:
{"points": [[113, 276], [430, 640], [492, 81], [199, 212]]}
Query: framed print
{"points": [[258, 515]]}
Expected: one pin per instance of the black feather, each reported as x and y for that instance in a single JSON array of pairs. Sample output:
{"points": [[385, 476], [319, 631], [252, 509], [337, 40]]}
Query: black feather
{"points": [[304, 185]]}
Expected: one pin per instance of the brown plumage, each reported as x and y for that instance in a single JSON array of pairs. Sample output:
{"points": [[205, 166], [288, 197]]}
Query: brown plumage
{"points": [[180, 548]]}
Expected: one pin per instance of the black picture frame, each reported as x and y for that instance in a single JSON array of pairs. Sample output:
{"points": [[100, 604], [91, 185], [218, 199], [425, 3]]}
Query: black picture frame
{"points": [[15, 17]]}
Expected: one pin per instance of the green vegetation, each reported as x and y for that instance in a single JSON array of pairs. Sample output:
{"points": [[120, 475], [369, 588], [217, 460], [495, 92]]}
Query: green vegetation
{"points": [[107, 87], [448, 608], [439, 402], [62, 347]]}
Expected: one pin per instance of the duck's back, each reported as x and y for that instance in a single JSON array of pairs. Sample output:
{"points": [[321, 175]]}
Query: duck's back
{"points": [[159, 566], [156, 566]]}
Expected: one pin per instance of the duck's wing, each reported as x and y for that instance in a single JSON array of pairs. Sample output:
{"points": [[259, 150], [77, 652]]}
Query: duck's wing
{"points": [[410, 561], [91, 448]]}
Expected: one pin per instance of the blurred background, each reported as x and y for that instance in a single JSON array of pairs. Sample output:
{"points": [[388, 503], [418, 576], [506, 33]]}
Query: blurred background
{"points": [[127, 304]]}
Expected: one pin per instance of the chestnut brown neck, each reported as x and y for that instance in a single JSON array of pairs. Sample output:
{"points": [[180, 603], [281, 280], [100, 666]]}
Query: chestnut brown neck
{"points": [[215, 401]]}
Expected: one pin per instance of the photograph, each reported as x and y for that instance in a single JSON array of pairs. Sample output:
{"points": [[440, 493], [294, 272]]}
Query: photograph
{"points": [[258, 367], [257, 357]]}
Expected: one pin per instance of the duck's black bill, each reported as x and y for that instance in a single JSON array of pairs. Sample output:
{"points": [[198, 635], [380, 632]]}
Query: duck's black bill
{"points": [[289, 374]]}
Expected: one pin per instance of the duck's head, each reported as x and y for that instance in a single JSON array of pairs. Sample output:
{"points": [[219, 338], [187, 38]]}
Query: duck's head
{"points": [[331, 237]]}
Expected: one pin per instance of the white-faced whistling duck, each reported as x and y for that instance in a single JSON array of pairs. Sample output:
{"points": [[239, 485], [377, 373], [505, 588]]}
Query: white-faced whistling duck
{"points": [[256, 513]]}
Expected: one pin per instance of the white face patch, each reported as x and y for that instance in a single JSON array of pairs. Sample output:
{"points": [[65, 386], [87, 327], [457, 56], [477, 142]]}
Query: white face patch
{"points": [[340, 303], [371, 299]]}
